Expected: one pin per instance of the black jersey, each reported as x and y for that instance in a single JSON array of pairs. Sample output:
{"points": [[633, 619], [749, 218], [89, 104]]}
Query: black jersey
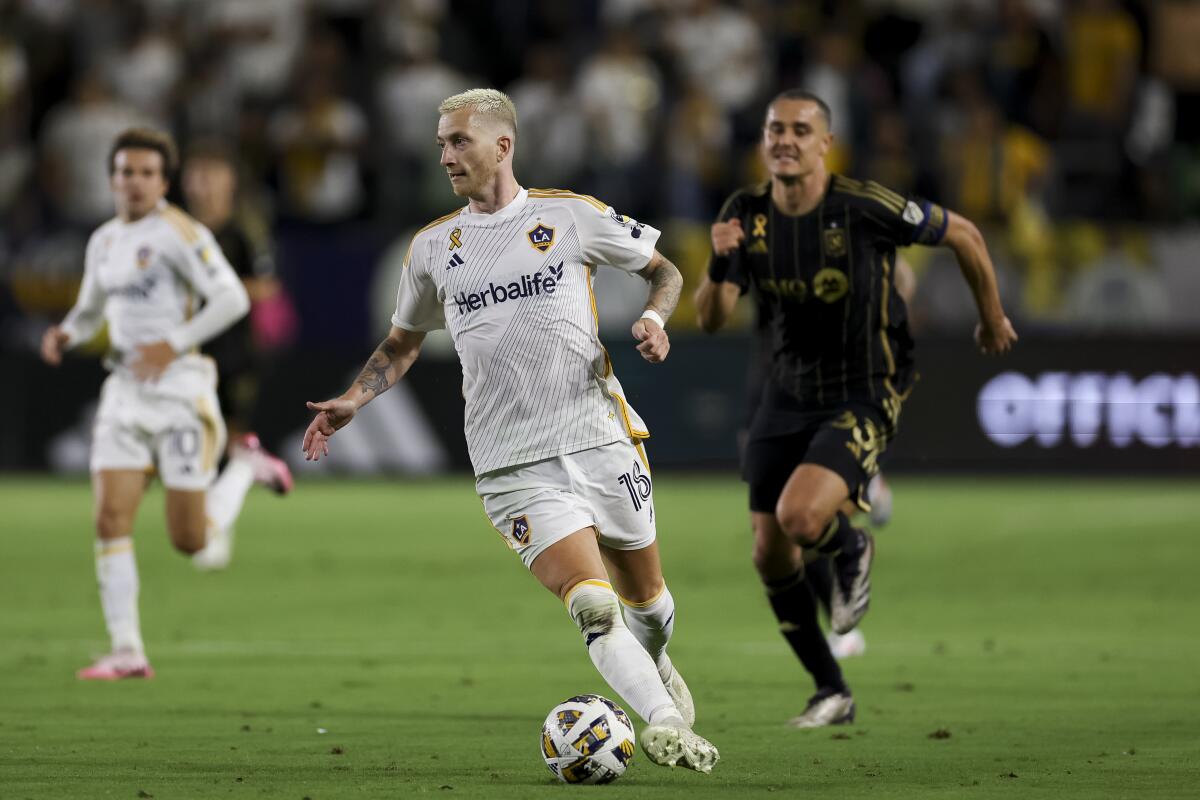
{"points": [[836, 328]]}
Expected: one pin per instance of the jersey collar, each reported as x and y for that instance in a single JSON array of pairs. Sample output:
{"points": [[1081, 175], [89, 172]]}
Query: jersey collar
{"points": [[514, 205]]}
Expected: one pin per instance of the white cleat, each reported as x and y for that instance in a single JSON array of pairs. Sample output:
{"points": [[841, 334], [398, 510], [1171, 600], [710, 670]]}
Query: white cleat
{"points": [[847, 645], [217, 552], [879, 495], [826, 707], [677, 746], [679, 692]]}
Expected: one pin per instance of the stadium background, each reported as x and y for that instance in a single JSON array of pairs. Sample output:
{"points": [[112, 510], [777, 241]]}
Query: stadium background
{"points": [[1068, 130]]}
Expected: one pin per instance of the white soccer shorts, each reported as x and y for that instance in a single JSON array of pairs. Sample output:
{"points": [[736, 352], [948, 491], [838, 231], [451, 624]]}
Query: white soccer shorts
{"points": [[140, 426], [535, 505]]}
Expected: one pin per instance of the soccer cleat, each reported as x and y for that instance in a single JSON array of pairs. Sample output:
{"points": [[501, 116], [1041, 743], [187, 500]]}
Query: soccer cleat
{"points": [[880, 496], [269, 470], [682, 696], [217, 552], [117, 666], [851, 584], [847, 645], [826, 707], [678, 746]]}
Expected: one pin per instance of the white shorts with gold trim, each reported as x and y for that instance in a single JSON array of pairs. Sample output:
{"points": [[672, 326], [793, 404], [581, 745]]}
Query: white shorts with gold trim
{"points": [[609, 487], [140, 426]]}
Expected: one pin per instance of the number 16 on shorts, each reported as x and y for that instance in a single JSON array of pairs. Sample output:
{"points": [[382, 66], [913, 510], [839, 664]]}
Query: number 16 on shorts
{"points": [[637, 483]]}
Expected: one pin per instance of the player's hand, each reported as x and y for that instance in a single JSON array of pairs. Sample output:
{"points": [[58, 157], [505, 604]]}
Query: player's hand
{"points": [[331, 415], [653, 342], [152, 360], [995, 338], [727, 236], [54, 341]]}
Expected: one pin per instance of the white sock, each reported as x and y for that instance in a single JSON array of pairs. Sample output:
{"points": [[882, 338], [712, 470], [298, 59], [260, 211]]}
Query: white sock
{"points": [[228, 492], [621, 660], [116, 572], [651, 623]]}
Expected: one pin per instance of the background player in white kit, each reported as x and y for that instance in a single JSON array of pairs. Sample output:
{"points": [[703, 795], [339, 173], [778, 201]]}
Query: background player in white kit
{"points": [[555, 447], [145, 273]]}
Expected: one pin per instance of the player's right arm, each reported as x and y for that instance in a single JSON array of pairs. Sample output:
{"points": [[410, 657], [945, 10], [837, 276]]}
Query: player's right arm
{"points": [[418, 311], [389, 363], [82, 321], [718, 293]]}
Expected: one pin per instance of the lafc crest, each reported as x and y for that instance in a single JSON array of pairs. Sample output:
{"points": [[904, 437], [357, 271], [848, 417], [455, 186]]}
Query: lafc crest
{"points": [[835, 242]]}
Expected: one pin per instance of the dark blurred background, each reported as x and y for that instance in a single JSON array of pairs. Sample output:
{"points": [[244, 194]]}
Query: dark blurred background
{"points": [[1069, 130]]}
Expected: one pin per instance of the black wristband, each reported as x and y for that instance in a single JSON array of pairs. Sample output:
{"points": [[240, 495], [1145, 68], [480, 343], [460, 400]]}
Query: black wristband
{"points": [[718, 268]]}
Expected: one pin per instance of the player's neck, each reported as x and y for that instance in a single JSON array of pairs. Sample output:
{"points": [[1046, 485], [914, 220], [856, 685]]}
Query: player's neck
{"points": [[130, 217], [496, 195], [799, 195]]}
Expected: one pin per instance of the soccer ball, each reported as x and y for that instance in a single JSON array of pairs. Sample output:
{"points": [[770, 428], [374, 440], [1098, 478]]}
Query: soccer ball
{"points": [[587, 739]]}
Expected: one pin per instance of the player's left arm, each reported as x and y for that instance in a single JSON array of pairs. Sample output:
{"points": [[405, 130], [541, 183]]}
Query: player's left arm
{"points": [[666, 283], [994, 333], [205, 269]]}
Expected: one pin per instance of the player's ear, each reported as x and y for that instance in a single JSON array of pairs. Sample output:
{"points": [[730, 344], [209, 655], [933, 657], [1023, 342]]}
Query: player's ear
{"points": [[504, 146]]}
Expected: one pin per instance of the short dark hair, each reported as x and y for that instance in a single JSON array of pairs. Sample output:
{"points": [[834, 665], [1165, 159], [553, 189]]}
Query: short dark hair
{"points": [[804, 94], [160, 142]]}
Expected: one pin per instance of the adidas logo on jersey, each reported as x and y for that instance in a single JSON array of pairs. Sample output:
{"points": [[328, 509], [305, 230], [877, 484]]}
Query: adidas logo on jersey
{"points": [[455, 260], [495, 294]]}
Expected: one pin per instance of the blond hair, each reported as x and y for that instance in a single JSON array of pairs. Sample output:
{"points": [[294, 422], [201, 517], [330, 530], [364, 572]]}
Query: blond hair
{"points": [[487, 102]]}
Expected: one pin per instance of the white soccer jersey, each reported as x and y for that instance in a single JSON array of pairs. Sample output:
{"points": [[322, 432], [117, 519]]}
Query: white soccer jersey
{"points": [[147, 279], [514, 289]]}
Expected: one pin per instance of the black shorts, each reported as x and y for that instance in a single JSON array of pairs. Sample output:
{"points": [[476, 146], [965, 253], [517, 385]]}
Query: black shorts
{"points": [[237, 392], [848, 439]]}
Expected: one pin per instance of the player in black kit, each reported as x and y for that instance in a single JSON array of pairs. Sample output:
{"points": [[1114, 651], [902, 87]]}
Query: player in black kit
{"points": [[819, 251]]}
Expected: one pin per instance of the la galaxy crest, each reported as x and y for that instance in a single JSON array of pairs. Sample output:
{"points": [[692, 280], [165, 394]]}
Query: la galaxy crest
{"points": [[144, 256], [541, 237], [521, 529]]}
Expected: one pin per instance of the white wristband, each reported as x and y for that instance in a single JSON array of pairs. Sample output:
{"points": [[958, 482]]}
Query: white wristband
{"points": [[650, 313]]}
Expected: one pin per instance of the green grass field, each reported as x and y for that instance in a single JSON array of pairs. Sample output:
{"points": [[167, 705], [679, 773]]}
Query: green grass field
{"points": [[379, 640]]}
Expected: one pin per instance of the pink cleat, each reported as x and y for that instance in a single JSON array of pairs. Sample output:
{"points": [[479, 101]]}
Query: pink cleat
{"points": [[269, 470], [117, 666]]}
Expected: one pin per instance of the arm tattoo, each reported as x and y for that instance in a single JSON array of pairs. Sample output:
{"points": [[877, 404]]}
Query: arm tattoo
{"points": [[373, 379], [665, 284]]}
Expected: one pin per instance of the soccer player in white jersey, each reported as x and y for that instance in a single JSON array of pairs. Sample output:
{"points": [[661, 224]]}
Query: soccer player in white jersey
{"points": [[556, 448], [145, 273]]}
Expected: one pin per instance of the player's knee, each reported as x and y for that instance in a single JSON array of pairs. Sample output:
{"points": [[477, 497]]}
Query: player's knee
{"points": [[802, 524], [187, 536], [112, 523], [644, 594]]}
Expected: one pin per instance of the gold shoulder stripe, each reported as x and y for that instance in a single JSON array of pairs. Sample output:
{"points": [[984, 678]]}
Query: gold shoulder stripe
{"points": [[566, 193], [895, 197], [439, 221], [886, 202], [434, 224], [870, 190], [182, 222]]}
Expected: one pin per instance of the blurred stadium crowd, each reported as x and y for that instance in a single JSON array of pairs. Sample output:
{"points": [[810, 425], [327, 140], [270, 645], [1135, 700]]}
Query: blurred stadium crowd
{"points": [[1068, 129]]}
